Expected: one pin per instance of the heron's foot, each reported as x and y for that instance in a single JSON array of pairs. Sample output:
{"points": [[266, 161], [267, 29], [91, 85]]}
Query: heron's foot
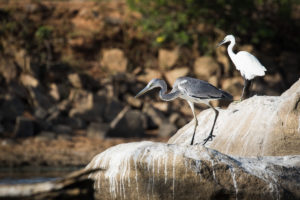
{"points": [[210, 137]]}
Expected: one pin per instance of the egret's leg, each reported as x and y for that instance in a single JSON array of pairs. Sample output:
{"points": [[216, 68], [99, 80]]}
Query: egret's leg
{"points": [[210, 136], [196, 121], [247, 84]]}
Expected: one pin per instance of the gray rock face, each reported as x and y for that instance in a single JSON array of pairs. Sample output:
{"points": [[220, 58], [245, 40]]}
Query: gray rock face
{"points": [[258, 126], [260, 136], [148, 170]]}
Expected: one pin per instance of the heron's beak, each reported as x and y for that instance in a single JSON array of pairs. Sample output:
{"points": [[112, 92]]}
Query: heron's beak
{"points": [[222, 42], [142, 92]]}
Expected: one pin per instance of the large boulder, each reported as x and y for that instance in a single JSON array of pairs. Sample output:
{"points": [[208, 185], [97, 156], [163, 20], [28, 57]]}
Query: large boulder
{"points": [[258, 126], [149, 170]]}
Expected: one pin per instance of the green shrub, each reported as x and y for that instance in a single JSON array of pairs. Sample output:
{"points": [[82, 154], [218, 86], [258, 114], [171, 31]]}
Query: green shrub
{"points": [[175, 21], [44, 33]]}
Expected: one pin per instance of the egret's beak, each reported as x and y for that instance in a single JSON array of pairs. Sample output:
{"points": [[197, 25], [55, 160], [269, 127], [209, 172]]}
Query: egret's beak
{"points": [[222, 42], [142, 92]]}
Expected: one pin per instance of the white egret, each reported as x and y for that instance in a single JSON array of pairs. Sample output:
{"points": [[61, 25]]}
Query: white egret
{"points": [[245, 62]]}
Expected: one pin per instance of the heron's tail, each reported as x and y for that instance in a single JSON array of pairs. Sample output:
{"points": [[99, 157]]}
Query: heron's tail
{"points": [[226, 96]]}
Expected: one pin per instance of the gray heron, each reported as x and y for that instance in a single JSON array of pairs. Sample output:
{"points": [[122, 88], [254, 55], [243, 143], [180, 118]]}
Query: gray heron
{"points": [[245, 62], [193, 91]]}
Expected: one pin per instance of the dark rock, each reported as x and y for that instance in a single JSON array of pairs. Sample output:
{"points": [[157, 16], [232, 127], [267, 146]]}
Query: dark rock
{"points": [[15, 88], [156, 117], [82, 101], [129, 123], [91, 108], [24, 127], [98, 130], [62, 129], [47, 135], [39, 98], [74, 122], [40, 113], [166, 129], [11, 107], [113, 107]]}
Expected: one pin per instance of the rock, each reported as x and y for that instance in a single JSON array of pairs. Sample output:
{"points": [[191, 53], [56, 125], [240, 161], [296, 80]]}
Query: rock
{"points": [[162, 106], [98, 130], [1, 129], [8, 70], [92, 109], [59, 91], [24, 127], [149, 75], [29, 81], [213, 80], [22, 60], [166, 130], [205, 67], [40, 113], [74, 122], [156, 117], [258, 126], [148, 170], [82, 101], [39, 98], [75, 80], [177, 119], [133, 101], [128, 123], [114, 60], [62, 129], [172, 75], [16, 89], [47, 135], [112, 108], [167, 58], [11, 107], [54, 92]]}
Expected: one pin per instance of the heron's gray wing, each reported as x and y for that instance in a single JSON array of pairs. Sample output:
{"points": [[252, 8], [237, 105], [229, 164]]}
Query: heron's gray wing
{"points": [[201, 89]]}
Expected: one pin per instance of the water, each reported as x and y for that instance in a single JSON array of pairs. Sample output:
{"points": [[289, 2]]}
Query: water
{"points": [[26, 175]]}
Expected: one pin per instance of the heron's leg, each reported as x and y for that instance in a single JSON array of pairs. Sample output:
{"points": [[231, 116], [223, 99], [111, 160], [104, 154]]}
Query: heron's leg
{"points": [[210, 136], [196, 121], [247, 84]]}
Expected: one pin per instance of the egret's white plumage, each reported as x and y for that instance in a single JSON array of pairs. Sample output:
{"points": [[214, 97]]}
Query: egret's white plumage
{"points": [[246, 63]]}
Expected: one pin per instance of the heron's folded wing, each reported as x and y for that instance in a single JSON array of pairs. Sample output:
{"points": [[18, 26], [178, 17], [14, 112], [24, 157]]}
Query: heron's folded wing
{"points": [[199, 89]]}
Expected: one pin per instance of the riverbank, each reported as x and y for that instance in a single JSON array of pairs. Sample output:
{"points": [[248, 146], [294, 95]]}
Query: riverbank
{"points": [[64, 151]]}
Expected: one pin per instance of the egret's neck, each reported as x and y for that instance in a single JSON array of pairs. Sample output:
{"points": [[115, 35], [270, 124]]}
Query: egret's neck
{"points": [[230, 47]]}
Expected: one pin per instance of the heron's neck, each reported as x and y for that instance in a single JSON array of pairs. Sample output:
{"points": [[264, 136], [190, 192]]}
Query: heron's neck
{"points": [[162, 93], [230, 47]]}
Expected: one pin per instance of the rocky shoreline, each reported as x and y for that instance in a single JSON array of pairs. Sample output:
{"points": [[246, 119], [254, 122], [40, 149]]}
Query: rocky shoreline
{"points": [[61, 152]]}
